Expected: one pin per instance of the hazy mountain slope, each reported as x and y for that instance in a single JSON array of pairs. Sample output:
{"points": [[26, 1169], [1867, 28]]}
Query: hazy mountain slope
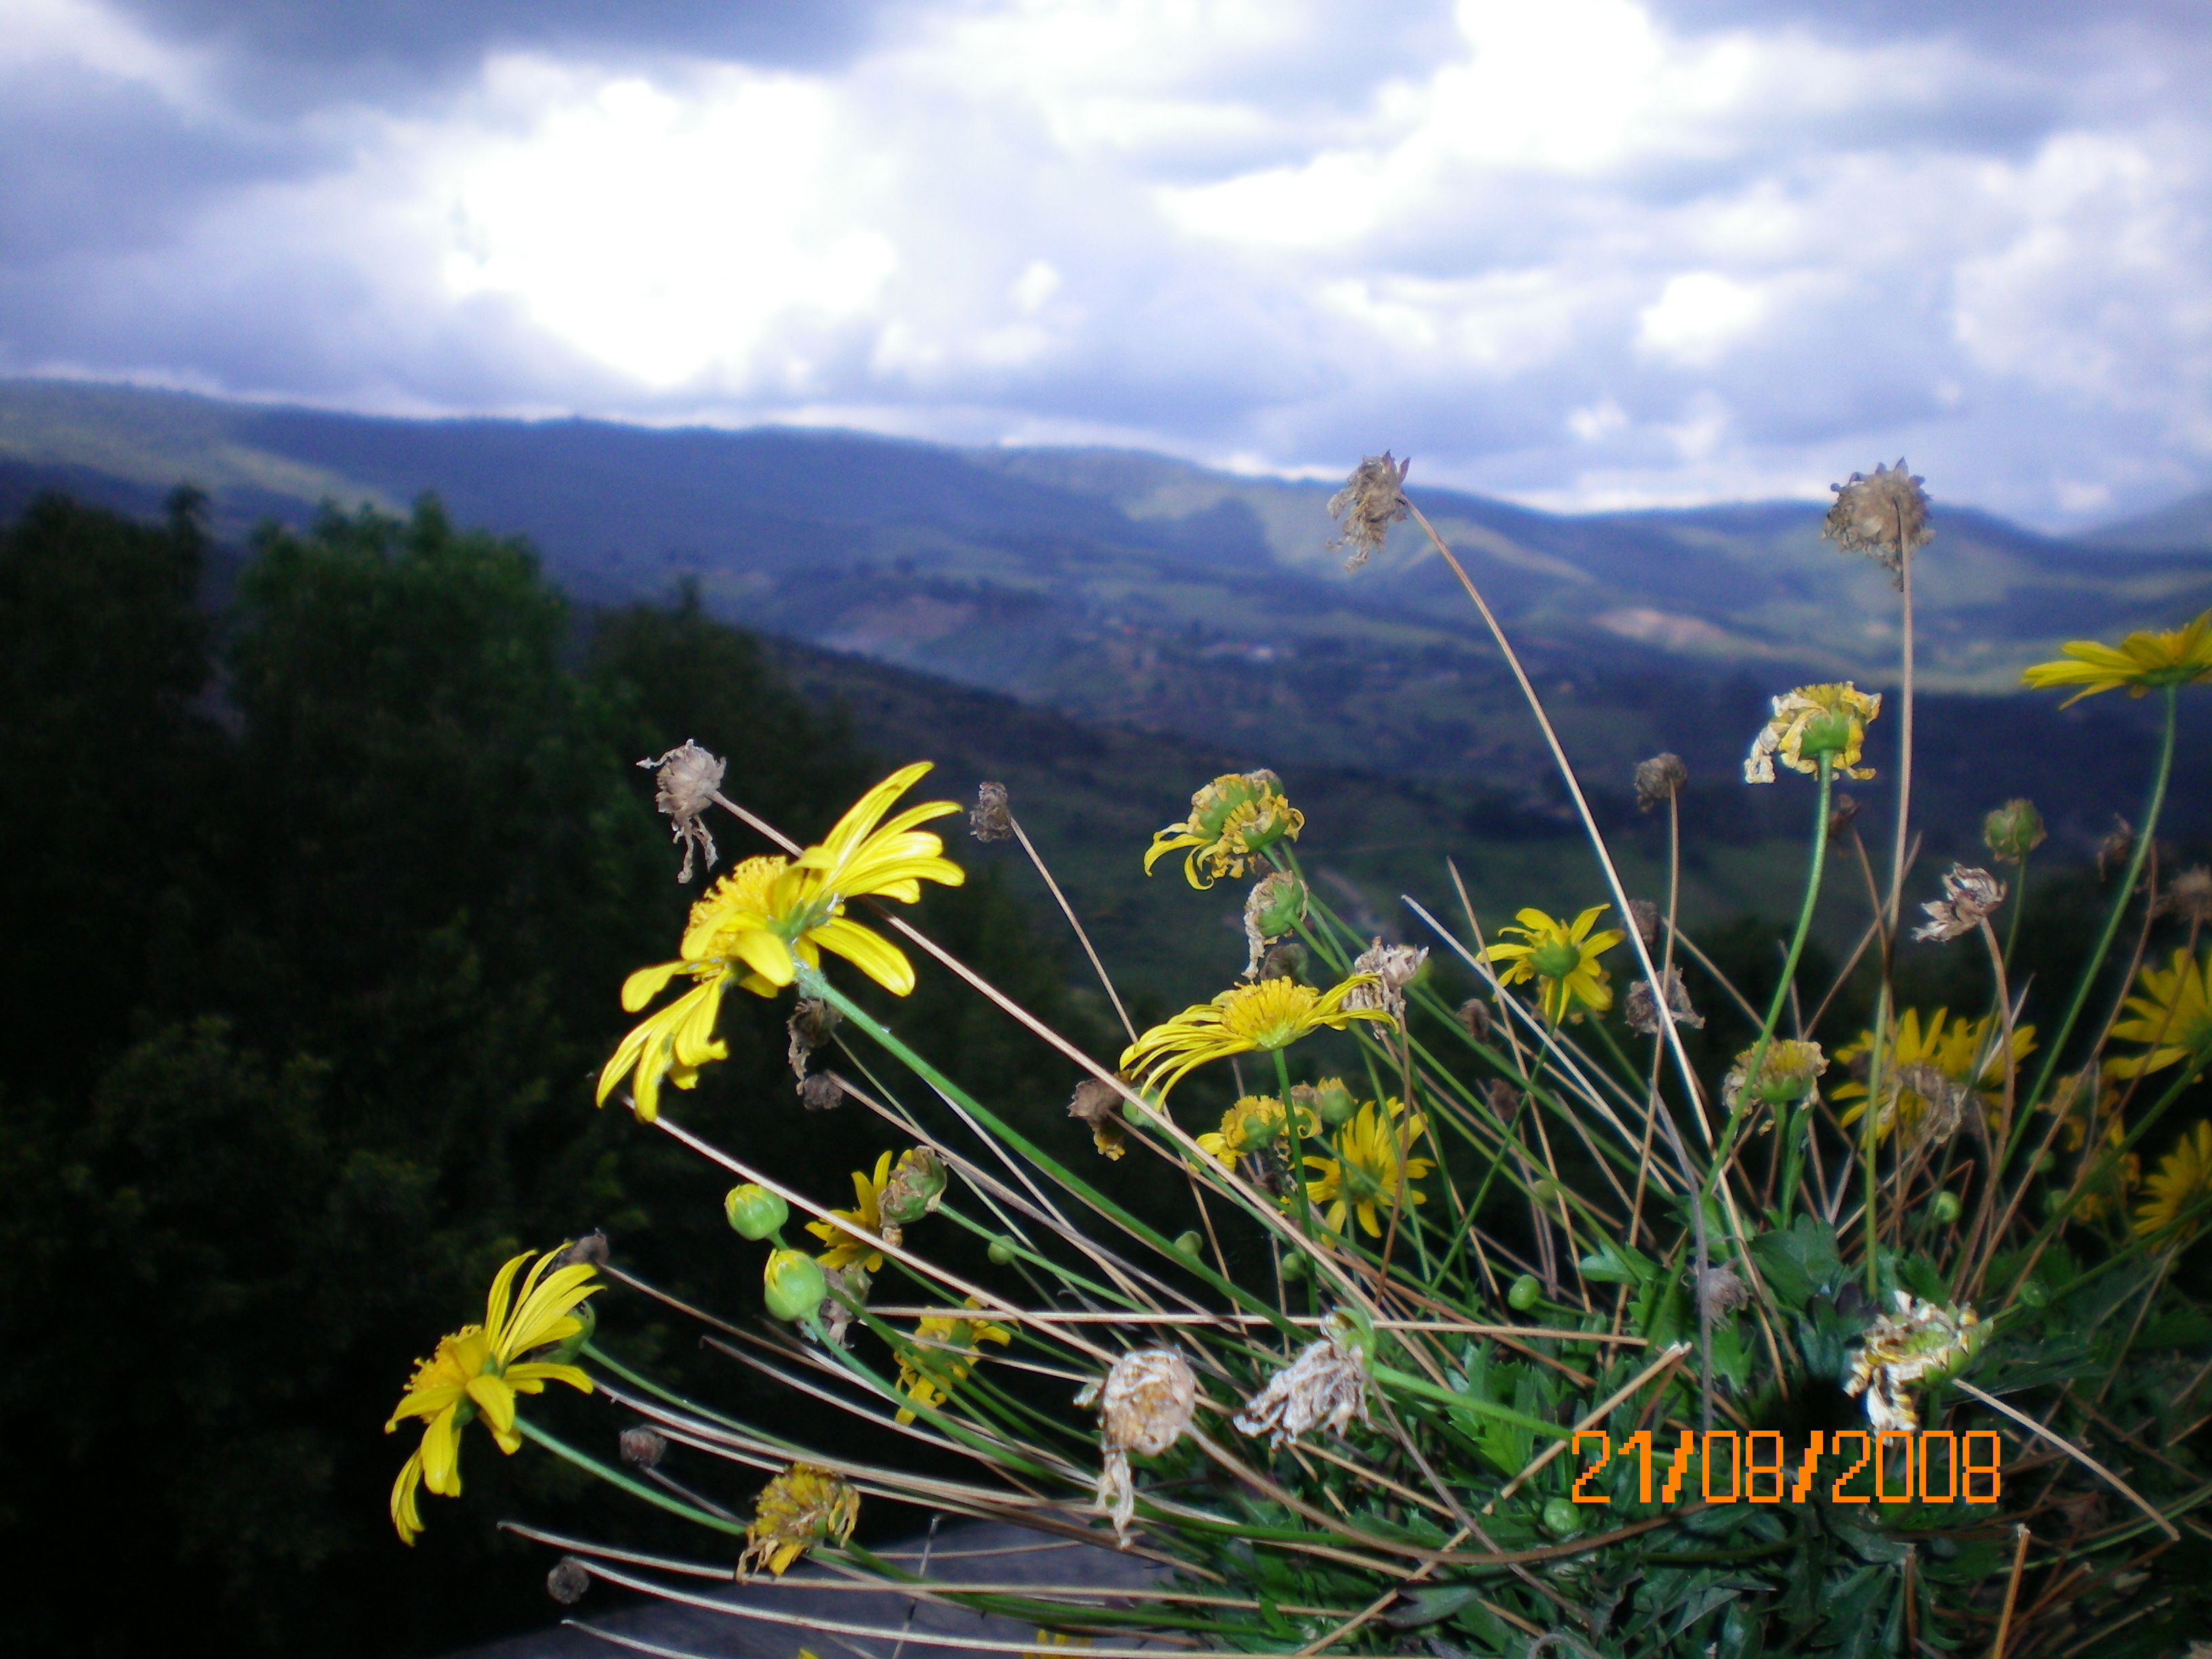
{"points": [[2185, 526]]}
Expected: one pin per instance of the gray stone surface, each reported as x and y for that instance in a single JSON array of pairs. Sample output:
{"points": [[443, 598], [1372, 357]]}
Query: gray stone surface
{"points": [[804, 1607]]}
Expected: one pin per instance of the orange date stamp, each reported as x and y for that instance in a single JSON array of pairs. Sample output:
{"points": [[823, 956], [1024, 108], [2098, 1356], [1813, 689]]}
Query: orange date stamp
{"points": [[1729, 1466]]}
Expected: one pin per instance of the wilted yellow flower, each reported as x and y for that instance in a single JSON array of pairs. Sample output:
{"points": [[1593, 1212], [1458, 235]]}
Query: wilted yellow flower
{"points": [[2172, 1013], [867, 1212], [1250, 1124], [1925, 1055], [2177, 656], [1809, 722], [944, 1352], [1564, 955], [1788, 1072], [1270, 1014], [479, 1369], [1233, 821], [2183, 1179], [1919, 1341], [768, 915], [803, 1506], [1364, 1174]]}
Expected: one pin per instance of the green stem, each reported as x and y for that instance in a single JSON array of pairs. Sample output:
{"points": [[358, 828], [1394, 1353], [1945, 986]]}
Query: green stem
{"points": [[1748, 1098], [613, 1477], [2087, 983]]}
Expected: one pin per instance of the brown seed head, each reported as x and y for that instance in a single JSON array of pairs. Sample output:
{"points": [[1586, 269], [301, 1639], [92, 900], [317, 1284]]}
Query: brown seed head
{"points": [[1642, 1015], [822, 1092], [568, 1580], [2189, 895], [685, 782], [1393, 967], [1969, 895], [1098, 1105], [1885, 515], [643, 1448], [1286, 960], [1646, 916], [2117, 846], [809, 1027], [1371, 500], [590, 1250], [1719, 1291], [991, 818], [1843, 813], [1474, 1015], [1659, 780]]}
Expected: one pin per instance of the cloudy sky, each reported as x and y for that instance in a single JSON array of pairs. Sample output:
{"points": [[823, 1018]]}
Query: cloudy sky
{"points": [[1578, 253]]}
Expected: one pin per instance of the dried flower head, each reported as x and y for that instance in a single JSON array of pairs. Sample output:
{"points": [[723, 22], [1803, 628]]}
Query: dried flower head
{"points": [[2189, 895], [1474, 1018], [643, 1448], [821, 1092], [589, 1251], [1787, 1074], [1276, 904], [1885, 515], [1811, 721], [803, 1506], [1719, 1292], [568, 1580], [1372, 500], [991, 818], [846, 1292], [811, 1024], [1286, 961], [1843, 813], [915, 1188], [1919, 1342], [1097, 1104], [1144, 1404], [1969, 895], [1643, 917], [1643, 1013], [1393, 968], [1324, 1387], [1659, 780], [684, 786], [2114, 850], [1942, 1097]]}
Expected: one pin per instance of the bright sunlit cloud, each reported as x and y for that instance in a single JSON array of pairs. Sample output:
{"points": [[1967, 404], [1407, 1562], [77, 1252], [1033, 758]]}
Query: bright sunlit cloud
{"points": [[1580, 253]]}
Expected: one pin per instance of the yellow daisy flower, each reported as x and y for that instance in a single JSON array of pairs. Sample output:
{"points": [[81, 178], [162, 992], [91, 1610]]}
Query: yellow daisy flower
{"points": [[2183, 1178], [867, 1212], [1364, 1174], [2171, 1012], [1563, 957], [1809, 722], [1233, 821], [755, 927], [478, 1370], [2177, 656], [1270, 1014], [805, 1505], [944, 1352], [1250, 1124], [1924, 1057]]}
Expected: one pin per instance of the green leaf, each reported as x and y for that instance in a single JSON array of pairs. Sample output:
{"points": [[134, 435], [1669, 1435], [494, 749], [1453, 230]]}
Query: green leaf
{"points": [[1800, 1263], [1615, 1263]]}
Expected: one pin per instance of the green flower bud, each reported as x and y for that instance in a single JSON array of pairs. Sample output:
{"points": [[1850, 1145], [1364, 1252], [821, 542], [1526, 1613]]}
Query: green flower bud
{"points": [[1946, 1207], [1545, 1191], [1278, 903], [1524, 1293], [1332, 1102], [914, 1186], [1190, 1244], [1294, 1269], [754, 1211], [1563, 1517], [2014, 830], [2034, 1293], [794, 1284], [1003, 1252]]}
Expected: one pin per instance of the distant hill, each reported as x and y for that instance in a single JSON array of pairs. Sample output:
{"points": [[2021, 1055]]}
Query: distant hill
{"points": [[1134, 590], [2185, 526]]}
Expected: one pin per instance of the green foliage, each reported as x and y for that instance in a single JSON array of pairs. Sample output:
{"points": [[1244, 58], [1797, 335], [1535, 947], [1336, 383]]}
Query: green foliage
{"points": [[316, 910]]}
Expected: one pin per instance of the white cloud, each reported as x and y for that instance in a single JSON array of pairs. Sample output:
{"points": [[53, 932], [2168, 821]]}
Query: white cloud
{"points": [[1568, 253]]}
